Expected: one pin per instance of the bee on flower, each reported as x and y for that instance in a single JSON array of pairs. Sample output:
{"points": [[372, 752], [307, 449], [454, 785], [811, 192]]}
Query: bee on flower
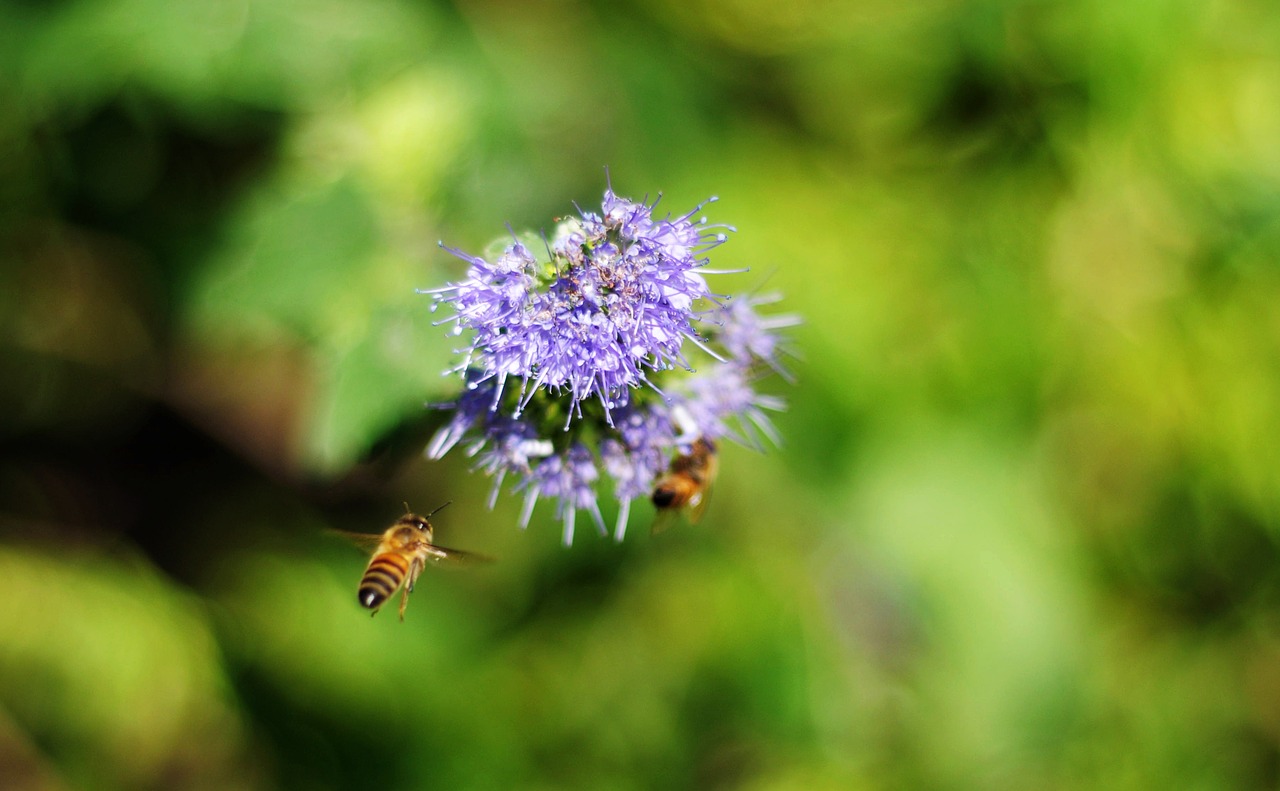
{"points": [[579, 362]]}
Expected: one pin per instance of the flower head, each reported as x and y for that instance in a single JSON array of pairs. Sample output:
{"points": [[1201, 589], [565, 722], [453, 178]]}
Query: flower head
{"points": [[610, 303], [577, 360]]}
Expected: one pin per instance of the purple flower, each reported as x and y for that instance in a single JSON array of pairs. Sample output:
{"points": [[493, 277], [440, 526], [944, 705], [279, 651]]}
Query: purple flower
{"points": [[749, 337], [612, 301], [594, 334], [722, 397], [636, 457], [569, 477]]}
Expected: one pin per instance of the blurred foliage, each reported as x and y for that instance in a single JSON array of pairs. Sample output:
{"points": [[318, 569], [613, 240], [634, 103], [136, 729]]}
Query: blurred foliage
{"points": [[1024, 530]]}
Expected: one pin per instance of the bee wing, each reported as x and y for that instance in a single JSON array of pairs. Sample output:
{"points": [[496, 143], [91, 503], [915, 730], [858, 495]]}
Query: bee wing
{"points": [[663, 520], [367, 541], [444, 556], [699, 508]]}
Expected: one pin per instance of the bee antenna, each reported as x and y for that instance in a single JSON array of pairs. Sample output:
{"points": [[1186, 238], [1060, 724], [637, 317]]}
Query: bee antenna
{"points": [[438, 510]]}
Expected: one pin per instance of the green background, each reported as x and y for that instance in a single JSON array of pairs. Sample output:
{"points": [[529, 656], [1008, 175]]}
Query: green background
{"points": [[1022, 533]]}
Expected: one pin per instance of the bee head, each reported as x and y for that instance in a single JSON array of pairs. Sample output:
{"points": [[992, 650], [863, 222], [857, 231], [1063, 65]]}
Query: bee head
{"points": [[663, 496], [421, 521]]}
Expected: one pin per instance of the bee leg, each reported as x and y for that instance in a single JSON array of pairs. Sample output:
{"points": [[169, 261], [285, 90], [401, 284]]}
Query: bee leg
{"points": [[415, 568]]}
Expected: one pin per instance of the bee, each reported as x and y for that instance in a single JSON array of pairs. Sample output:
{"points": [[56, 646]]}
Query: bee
{"points": [[399, 556], [686, 484]]}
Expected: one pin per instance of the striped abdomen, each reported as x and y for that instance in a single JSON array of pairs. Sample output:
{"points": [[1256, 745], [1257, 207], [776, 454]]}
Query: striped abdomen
{"points": [[385, 573]]}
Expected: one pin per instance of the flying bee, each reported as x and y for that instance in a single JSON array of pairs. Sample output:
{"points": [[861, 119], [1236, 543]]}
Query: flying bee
{"points": [[399, 556], [686, 484]]}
